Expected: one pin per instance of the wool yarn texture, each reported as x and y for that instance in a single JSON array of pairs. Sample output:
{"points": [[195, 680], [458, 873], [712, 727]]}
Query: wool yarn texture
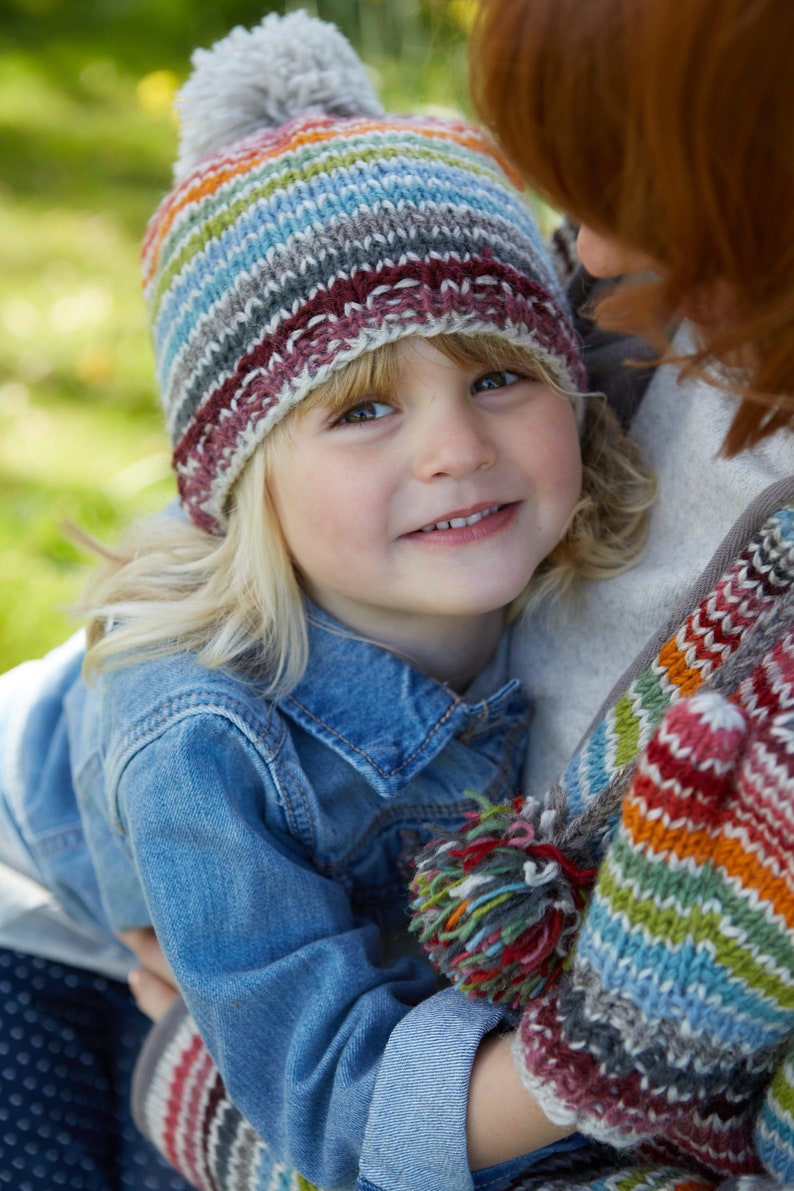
{"points": [[690, 1097], [305, 228], [667, 1027], [678, 1005], [497, 904]]}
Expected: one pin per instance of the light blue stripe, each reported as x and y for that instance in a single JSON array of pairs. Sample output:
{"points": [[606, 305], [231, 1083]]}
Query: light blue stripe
{"points": [[186, 322], [605, 942], [290, 160], [272, 222]]}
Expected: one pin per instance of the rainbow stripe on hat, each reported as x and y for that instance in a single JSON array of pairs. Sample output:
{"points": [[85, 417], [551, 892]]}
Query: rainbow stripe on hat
{"points": [[282, 258]]}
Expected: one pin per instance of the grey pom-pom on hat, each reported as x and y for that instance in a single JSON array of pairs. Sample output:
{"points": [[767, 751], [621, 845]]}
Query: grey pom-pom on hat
{"points": [[262, 77]]}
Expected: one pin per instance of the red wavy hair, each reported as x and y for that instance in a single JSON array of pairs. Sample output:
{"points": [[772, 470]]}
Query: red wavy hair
{"points": [[671, 128]]}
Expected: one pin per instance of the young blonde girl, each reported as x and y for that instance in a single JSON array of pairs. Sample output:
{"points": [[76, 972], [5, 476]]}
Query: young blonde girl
{"points": [[376, 402]]}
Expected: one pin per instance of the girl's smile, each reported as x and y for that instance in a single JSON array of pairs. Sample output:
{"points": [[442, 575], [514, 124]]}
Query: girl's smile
{"points": [[416, 516], [459, 527]]}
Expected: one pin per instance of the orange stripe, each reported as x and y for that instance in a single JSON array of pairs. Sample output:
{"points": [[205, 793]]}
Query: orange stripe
{"points": [[677, 669], [205, 185], [696, 844]]}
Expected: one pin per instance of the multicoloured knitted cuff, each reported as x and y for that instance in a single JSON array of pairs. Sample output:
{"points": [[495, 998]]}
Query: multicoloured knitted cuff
{"points": [[180, 1104], [571, 1086], [718, 1135]]}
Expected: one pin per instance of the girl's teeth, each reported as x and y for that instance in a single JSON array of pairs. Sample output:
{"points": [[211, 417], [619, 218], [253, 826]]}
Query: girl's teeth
{"points": [[461, 522]]}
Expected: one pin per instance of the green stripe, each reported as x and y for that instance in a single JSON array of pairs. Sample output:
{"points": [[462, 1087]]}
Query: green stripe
{"points": [[782, 1094], [654, 696], [646, 700], [626, 726], [303, 167], [683, 919]]}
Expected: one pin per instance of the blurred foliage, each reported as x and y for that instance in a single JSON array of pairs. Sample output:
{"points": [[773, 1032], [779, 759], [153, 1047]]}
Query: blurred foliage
{"points": [[87, 137]]}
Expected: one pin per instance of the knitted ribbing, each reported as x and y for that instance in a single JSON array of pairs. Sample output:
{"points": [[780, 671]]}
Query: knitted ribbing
{"points": [[497, 904], [679, 1002], [180, 1104], [283, 255]]}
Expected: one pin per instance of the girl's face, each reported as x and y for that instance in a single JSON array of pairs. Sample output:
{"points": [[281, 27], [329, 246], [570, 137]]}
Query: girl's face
{"points": [[438, 499]]}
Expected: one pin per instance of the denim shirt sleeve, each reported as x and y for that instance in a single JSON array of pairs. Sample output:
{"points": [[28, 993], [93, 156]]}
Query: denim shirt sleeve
{"points": [[285, 983], [416, 1132]]}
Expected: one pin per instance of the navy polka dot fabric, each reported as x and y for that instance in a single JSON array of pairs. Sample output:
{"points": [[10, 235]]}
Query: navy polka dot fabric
{"points": [[68, 1044]]}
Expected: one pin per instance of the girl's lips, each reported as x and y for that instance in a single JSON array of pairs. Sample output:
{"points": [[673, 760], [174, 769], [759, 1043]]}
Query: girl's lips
{"points": [[461, 522], [462, 530]]}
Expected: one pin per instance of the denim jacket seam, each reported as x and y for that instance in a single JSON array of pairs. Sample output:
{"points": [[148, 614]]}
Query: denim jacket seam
{"points": [[384, 773], [198, 702], [419, 809], [287, 793], [513, 738], [133, 743], [58, 840]]}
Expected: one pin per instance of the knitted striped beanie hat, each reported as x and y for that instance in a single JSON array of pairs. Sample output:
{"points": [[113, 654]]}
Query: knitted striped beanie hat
{"points": [[305, 228]]}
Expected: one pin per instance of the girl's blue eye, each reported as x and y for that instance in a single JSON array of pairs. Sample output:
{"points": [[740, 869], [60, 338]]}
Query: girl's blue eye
{"points": [[498, 379], [367, 411]]}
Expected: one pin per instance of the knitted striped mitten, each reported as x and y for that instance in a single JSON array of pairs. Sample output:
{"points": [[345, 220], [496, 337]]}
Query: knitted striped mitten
{"points": [[678, 1003]]}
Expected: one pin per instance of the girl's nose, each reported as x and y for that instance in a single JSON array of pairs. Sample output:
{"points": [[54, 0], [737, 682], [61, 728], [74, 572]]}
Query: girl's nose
{"points": [[454, 444]]}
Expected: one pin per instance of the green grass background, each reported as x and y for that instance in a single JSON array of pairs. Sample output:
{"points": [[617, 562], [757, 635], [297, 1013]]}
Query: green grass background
{"points": [[87, 138]]}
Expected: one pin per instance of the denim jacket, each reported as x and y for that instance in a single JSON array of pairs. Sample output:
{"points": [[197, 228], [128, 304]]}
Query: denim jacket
{"points": [[269, 846]]}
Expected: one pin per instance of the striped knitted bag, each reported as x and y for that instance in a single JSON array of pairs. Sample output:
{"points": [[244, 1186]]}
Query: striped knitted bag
{"points": [[180, 1103]]}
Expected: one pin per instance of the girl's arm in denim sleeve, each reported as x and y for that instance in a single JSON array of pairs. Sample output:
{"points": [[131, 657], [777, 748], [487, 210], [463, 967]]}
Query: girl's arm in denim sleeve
{"points": [[286, 983], [181, 1104]]}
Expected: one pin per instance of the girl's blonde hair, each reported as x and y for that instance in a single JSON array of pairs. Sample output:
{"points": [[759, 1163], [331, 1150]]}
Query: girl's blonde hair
{"points": [[669, 128], [236, 600]]}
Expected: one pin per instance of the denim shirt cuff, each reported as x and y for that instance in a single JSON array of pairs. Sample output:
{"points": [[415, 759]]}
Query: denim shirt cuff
{"points": [[498, 1178], [415, 1138]]}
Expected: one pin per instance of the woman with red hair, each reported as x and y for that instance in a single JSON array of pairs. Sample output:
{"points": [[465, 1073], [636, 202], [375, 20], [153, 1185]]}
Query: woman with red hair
{"points": [[666, 132]]}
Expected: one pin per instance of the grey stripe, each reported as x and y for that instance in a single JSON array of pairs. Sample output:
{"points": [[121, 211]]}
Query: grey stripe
{"points": [[626, 1039], [310, 262]]}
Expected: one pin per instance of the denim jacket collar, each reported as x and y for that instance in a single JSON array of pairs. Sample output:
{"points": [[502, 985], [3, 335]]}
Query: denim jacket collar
{"points": [[381, 714]]}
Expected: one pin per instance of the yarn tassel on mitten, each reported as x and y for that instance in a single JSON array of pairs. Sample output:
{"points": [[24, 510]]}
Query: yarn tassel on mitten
{"points": [[498, 859]]}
